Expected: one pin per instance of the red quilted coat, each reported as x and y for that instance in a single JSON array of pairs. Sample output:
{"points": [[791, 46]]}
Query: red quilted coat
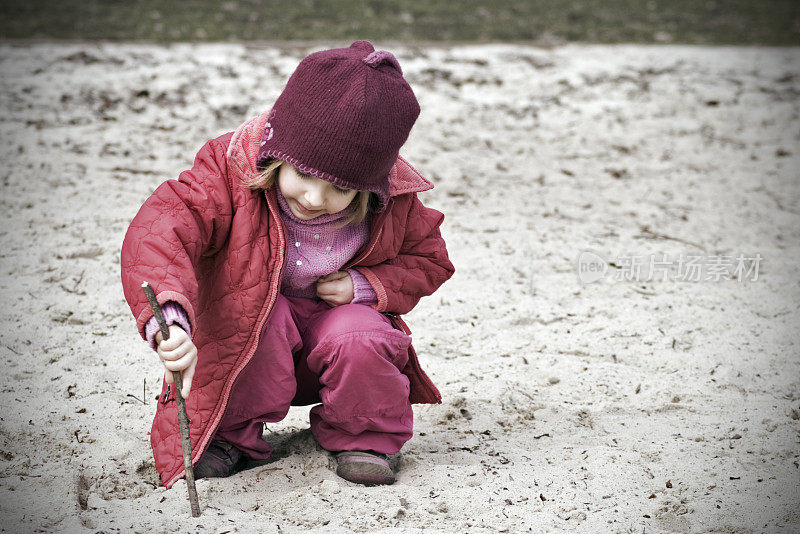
{"points": [[218, 249]]}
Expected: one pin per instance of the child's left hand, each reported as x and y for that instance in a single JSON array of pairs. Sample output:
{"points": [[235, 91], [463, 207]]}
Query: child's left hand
{"points": [[335, 288]]}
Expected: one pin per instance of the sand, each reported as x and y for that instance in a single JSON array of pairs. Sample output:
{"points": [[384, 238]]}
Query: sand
{"points": [[627, 404]]}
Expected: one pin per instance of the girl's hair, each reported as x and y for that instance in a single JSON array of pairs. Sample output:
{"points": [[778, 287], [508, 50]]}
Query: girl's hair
{"points": [[363, 203]]}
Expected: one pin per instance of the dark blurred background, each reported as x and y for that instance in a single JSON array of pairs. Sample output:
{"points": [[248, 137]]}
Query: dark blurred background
{"points": [[768, 22]]}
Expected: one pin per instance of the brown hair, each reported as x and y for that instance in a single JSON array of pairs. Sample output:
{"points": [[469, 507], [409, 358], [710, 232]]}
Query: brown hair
{"points": [[363, 203]]}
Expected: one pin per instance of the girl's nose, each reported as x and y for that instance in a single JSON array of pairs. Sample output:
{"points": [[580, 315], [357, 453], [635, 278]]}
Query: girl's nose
{"points": [[315, 196]]}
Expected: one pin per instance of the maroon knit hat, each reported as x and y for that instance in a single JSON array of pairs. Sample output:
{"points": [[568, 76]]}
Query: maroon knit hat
{"points": [[342, 117]]}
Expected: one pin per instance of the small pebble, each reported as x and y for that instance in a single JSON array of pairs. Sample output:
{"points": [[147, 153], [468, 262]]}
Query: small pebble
{"points": [[554, 380], [329, 486]]}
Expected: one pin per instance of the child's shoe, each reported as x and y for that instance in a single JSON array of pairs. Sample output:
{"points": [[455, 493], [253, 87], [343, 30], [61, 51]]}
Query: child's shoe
{"points": [[362, 467], [220, 460]]}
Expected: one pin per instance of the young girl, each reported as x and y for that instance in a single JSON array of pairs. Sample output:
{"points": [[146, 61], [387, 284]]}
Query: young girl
{"points": [[282, 261]]}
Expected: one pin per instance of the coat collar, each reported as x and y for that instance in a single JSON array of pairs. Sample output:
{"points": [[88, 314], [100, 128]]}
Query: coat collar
{"points": [[243, 151]]}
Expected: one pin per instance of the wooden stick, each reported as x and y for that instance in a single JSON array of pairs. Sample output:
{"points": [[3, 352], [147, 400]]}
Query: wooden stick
{"points": [[183, 420]]}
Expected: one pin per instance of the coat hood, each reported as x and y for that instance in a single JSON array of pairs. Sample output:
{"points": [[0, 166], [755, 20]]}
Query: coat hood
{"points": [[243, 149]]}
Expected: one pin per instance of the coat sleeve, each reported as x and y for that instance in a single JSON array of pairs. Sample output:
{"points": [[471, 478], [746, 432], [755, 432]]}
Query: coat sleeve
{"points": [[180, 222], [420, 267]]}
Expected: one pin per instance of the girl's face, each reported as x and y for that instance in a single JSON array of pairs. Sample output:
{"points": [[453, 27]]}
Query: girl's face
{"points": [[308, 196]]}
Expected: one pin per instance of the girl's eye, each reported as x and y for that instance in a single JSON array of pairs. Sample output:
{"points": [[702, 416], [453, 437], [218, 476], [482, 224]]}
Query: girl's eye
{"points": [[340, 190]]}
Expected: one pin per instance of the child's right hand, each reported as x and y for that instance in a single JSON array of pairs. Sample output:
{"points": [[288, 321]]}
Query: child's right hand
{"points": [[177, 353]]}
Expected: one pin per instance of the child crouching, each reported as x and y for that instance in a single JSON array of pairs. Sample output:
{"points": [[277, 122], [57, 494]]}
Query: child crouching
{"points": [[283, 260]]}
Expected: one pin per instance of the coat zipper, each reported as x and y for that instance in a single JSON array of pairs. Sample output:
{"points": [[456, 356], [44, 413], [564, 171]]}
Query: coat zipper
{"points": [[372, 243], [274, 289]]}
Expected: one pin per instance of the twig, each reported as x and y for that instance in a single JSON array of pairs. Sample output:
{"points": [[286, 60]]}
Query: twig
{"points": [[12, 350], [183, 420], [133, 171], [80, 279], [258, 475], [648, 233], [135, 397], [75, 287], [520, 390], [642, 291]]}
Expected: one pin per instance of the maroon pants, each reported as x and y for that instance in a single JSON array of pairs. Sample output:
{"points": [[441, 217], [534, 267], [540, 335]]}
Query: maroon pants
{"points": [[348, 358]]}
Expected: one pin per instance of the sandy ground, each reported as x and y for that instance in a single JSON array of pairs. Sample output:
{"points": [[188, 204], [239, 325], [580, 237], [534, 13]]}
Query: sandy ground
{"points": [[665, 405]]}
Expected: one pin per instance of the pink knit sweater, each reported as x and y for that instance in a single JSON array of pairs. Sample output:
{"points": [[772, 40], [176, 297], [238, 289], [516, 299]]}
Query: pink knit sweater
{"points": [[315, 248]]}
